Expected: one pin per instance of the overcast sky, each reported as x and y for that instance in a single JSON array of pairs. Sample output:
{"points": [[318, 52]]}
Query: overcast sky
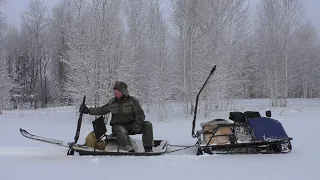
{"points": [[14, 8]]}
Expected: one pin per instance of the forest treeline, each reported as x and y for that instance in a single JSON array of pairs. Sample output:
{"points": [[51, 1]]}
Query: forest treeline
{"points": [[164, 50]]}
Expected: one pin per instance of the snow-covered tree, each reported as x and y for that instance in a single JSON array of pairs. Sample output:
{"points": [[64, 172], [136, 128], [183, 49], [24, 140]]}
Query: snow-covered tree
{"points": [[134, 67], [6, 84], [277, 21], [34, 24], [61, 20], [209, 32], [163, 53], [304, 74], [2, 18], [17, 58], [96, 49], [161, 80]]}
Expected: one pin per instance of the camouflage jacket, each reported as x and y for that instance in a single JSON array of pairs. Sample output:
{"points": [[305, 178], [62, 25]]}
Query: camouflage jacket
{"points": [[124, 111]]}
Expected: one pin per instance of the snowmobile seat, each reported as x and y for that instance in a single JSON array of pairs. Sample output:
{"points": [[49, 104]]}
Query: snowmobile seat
{"points": [[267, 129], [237, 117], [112, 136], [252, 114]]}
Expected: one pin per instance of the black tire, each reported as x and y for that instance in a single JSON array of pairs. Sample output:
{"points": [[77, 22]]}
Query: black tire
{"points": [[286, 146], [282, 147]]}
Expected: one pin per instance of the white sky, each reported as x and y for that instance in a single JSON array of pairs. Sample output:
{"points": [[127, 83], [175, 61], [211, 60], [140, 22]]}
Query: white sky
{"points": [[14, 8]]}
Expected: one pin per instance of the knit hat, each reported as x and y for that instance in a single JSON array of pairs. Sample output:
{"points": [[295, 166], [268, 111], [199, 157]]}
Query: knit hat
{"points": [[122, 87]]}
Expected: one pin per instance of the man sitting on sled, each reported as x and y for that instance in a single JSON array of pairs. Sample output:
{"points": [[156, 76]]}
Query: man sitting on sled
{"points": [[127, 118]]}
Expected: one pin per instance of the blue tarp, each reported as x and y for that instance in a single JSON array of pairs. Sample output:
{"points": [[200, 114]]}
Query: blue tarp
{"points": [[265, 129]]}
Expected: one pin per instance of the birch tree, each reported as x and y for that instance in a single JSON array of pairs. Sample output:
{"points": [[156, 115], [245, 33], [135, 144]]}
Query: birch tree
{"points": [[292, 14], [95, 41], [160, 80], [277, 21], [34, 22], [60, 22], [6, 84], [208, 33], [305, 72], [17, 56], [133, 68], [2, 18]]}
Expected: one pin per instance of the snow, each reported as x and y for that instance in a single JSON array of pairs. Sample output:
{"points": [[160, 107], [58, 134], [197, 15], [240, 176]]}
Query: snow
{"points": [[21, 158]]}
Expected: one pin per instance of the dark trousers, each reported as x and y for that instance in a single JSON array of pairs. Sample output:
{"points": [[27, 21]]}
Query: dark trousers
{"points": [[122, 133]]}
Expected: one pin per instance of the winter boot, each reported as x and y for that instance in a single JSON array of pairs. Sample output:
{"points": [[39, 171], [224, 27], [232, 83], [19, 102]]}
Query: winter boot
{"points": [[148, 149]]}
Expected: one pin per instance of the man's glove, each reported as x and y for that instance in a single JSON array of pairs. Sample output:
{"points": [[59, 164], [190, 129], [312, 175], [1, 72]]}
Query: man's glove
{"points": [[137, 126], [84, 109]]}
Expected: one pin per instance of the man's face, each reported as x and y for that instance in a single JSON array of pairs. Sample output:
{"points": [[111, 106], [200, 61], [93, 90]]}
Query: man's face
{"points": [[117, 94]]}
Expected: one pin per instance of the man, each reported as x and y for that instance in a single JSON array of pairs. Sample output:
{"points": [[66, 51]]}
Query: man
{"points": [[127, 118]]}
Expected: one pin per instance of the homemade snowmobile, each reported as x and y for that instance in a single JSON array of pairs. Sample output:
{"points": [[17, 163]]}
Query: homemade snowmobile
{"points": [[246, 132]]}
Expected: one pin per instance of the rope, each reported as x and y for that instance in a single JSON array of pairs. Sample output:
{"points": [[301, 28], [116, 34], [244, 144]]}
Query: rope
{"points": [[182, 147]]}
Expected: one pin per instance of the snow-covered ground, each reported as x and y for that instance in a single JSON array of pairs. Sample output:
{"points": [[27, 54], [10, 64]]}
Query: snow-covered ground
{"points": [[21, 158]]}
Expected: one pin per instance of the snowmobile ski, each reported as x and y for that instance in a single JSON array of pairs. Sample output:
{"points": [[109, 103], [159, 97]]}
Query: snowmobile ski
{"points": [[43, 139]]}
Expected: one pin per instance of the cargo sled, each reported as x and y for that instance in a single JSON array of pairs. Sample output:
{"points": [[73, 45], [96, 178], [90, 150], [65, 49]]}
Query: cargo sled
{"points": [[246, 132], [160, 146], [103, 145]]}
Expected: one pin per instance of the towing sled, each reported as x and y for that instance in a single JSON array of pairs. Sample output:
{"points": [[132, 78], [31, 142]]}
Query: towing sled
{"points": [[160, 146], [104, 145], [109, 143], [246, 132]]}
